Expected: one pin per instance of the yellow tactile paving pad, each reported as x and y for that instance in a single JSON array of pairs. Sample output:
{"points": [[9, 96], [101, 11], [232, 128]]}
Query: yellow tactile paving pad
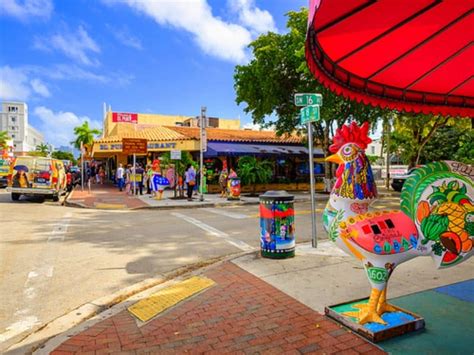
{"points": [[109, 206], [149, 307]]}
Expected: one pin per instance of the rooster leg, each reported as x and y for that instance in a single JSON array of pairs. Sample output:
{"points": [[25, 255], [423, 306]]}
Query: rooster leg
{"points": [[383, 306], [369, 313]]}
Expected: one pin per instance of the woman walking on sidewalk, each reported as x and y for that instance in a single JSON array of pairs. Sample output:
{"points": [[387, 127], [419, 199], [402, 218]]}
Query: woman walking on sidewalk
{"points": [[190, 177]]}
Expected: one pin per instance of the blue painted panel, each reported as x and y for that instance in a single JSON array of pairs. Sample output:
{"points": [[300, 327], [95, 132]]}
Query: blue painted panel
{"points": [[461, 290]]}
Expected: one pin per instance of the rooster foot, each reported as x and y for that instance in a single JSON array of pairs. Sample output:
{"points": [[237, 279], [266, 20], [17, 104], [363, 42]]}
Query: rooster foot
{"points": [[354, 314], [386, 307], [370, 316]]}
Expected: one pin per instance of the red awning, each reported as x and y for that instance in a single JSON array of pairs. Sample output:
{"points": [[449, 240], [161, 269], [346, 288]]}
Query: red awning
{"points": [[402, 54]]}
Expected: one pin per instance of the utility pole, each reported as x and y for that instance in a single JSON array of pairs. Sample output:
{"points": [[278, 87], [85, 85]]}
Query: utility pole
{"points": [[314, 239], [310, 112], [82, 166], [202, 129], [387, 145]]}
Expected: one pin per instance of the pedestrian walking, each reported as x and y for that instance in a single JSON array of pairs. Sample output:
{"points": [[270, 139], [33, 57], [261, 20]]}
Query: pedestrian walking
{"points": [[128, 182], [120, 177], [139, 176], [190, 179]]}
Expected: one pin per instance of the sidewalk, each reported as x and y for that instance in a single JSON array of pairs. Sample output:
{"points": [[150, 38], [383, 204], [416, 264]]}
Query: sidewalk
{"points": [[269, 306], [109, 197]]}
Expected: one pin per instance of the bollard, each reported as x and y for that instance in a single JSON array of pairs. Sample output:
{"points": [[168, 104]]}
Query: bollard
{"points": [[277, 225]]}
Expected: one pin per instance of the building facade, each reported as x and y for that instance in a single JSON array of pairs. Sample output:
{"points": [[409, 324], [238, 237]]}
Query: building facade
{"points": [[14, 120], [288, 154]]}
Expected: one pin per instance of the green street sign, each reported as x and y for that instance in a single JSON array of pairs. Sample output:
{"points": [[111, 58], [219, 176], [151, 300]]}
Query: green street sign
{"points": [[309, 114], [308, 99]]}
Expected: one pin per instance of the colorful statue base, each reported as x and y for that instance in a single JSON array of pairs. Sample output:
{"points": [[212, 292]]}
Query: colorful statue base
{"points": [[398, 323]]}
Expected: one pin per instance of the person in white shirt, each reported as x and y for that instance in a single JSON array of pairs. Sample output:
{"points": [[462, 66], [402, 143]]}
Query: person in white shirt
{"points": [[119, 176]]}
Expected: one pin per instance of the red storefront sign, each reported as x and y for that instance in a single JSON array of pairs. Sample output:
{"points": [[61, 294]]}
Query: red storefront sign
{"points": [[124, 117]]}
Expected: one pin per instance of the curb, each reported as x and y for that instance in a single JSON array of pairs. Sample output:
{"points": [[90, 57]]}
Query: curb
{"points": [[54, 333]]}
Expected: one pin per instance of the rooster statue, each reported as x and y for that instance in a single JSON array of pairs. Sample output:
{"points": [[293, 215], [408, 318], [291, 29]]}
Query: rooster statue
{"points": [[436, 217]]}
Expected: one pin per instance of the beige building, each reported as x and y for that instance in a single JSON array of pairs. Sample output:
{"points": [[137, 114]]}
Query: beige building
{"points": [[14, 120]]}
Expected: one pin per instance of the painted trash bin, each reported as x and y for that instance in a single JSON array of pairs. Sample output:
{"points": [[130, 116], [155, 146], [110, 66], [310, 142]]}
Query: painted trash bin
{"points": [[277, 225]]}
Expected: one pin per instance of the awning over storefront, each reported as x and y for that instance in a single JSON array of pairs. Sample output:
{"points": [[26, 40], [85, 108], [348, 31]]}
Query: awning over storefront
{"points": [[215, 149], [407, 55]]}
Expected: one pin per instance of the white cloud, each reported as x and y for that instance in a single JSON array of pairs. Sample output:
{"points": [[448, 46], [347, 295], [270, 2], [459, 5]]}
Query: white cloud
{"points": [[75, 45], [214, 36], [58, 127], [40, 88], [15, 84], [24, 10], [257, 20], [125, 37]]}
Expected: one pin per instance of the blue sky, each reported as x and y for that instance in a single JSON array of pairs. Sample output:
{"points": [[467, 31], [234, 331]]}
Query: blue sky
{"points": [[66, 57]]}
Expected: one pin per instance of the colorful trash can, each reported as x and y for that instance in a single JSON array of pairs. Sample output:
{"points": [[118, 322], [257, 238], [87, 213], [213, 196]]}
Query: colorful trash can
{"points": [[277, 225]]}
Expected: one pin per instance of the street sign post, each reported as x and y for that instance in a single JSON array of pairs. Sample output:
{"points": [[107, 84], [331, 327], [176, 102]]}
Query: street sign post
{"points": [[203, 148], [308, 99], [310, 114]]}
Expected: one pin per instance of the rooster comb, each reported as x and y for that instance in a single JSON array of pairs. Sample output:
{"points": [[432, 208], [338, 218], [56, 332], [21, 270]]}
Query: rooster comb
{"points": [[351, 134]]}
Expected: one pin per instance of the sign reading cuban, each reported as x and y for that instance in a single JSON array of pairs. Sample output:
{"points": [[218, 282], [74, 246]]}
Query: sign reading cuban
{"points": [[134, 146], [124, 117]]}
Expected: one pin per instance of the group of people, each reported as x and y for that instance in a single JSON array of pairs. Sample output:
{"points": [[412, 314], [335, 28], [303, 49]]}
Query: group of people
{"points": [[153, 180], [96, 174], [132, 177]]}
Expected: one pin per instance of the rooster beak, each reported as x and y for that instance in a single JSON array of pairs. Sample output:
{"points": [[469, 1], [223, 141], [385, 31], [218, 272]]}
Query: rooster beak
{"points": [[335, 158]]}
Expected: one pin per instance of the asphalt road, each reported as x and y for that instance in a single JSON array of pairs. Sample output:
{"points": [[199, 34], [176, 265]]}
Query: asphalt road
{"points": [[54, 258]]}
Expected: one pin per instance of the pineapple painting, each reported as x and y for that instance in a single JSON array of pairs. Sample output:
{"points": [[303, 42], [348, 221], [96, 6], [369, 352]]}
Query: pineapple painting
{"points": [[446, 218]]}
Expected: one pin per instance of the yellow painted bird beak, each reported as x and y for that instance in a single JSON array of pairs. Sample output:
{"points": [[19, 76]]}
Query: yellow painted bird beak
{"points": [[335, 158]]}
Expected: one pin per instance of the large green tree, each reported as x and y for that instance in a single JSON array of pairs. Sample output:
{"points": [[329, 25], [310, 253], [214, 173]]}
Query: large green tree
{"points": [[278, 70], [84, 134], [419, 138]]}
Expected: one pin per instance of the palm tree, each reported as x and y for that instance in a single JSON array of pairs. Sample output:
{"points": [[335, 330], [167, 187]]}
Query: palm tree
{"points": [[3, 139], [42, 149], [252, 171], [84, 134]]}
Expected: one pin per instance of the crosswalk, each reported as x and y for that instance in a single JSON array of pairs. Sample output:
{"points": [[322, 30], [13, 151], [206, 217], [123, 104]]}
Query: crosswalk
{"points": [[214, 232]]}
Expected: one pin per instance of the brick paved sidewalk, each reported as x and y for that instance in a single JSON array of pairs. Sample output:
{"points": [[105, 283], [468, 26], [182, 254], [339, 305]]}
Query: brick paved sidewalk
{"points": [[103, 196], [240, 314]]}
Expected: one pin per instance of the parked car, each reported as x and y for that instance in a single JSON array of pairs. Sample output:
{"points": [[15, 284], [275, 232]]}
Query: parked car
{"points": [[399, 180], [37, 176]]}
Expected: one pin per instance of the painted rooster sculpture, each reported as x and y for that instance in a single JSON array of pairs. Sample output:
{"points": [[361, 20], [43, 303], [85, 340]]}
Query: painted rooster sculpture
{"points": [[436, 217]]}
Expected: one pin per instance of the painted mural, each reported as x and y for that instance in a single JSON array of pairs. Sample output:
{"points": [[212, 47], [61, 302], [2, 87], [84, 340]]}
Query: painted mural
{"points": [[436, 218]]}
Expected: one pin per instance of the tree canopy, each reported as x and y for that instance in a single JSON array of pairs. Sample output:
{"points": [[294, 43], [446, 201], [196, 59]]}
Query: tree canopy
{"points": [[64, 156], [42, 149], [278, 70], [422, 139], [3, 139], [84, 134]]}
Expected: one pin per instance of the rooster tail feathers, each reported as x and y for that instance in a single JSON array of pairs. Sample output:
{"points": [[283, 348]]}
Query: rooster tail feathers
{"points": [[439, 198]]}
